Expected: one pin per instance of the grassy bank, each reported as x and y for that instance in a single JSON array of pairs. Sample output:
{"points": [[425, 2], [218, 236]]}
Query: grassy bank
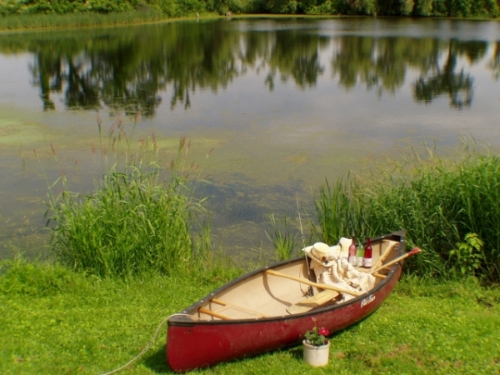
{"points": [[58, 21], [55, 321]]}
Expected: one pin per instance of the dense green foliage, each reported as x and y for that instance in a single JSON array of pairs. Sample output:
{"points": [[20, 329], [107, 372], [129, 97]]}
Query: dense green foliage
{"points": [[450, 210], [56, 321], [178, 8]]}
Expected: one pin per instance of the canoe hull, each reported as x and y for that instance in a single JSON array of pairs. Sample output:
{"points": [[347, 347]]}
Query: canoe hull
{"points": [[195, 344]]}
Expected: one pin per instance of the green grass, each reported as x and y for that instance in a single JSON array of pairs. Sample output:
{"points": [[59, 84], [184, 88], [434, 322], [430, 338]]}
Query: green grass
{"points": [[56, 321], [441, 204]]}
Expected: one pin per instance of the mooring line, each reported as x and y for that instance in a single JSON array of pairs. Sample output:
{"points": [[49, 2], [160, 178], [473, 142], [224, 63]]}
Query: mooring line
{"points": [[146, 348]]}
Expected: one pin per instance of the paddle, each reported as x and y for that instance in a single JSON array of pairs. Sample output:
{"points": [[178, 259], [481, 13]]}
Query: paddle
{"points": [[386, 253], [415, 250], [321, 286]]}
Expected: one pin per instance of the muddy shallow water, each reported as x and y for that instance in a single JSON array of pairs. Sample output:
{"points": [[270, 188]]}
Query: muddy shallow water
{"points": [[284, 103]]}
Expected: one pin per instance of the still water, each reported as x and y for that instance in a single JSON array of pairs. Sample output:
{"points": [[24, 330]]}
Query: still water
{"points": [[285, 103]]}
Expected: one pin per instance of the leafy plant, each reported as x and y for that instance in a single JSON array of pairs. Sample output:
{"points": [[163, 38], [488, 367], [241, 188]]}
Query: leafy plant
{"points": [[317, 336], [468, 254]]}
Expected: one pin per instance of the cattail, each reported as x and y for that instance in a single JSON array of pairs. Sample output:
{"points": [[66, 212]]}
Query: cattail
{"points": [[99, 122], [182, 142], [119, 122], [153, 138]]}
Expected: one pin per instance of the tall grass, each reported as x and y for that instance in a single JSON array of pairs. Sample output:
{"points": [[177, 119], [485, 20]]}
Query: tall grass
{"points": [[141, 217], [438, 202], [283, 238], [338, 214]]}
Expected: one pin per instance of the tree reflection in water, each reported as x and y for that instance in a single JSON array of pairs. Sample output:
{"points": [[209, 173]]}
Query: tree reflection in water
{"points": [[129, 69], [458, 85]]}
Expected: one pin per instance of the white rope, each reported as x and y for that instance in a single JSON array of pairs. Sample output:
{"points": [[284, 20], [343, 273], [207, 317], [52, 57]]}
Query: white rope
{"points": [[143, 350]]}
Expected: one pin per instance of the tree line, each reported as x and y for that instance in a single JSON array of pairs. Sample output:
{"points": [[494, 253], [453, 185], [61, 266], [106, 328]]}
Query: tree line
{"points": [[180, 8]]}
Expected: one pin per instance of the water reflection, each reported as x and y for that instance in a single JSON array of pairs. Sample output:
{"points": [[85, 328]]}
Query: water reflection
{"points": [[131, 69], [445, 79], [494, 65]]}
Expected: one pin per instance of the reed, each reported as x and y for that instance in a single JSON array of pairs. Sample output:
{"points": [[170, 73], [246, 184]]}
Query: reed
{"points": [[440, 203], [140, 218], [282, 237], [337, 213]]}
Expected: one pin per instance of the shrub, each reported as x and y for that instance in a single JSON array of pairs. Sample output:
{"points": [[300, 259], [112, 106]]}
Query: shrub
{"points": [[423, 8], [282, 6]]}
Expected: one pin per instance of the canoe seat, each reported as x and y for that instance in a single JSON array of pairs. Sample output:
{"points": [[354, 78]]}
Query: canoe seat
{"points": [[313, 302], [229, 311]]}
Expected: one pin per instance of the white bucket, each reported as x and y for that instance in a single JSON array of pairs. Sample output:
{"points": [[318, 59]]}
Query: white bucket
{"points": [[316, 356]]}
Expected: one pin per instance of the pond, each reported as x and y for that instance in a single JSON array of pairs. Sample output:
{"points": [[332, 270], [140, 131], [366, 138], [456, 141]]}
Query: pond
{"points": [[285, 104]]}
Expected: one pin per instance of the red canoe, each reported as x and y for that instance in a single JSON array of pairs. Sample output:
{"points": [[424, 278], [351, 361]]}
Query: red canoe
{"points": [[269, 309]]}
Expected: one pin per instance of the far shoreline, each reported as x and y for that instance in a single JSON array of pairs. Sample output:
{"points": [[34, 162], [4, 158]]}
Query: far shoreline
{"points": [[52, 22]]}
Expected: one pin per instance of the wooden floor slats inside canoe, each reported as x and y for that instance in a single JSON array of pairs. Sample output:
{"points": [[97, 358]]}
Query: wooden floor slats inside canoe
{"points": [[230, 311]]}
